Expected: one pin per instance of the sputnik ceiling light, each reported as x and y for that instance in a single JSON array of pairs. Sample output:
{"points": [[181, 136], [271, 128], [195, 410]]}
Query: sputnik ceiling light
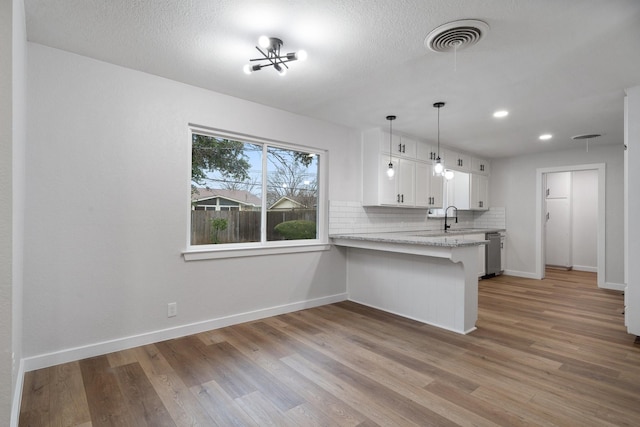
{"points": [[271, 56], [390, 171]]}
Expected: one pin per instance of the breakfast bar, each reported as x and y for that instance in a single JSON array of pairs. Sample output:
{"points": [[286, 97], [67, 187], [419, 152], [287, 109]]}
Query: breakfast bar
{"points": [[419, 275]]}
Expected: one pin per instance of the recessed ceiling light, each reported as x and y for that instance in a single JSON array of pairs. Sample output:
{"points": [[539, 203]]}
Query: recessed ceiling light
{"points": [[501, 113], [545, 137]]}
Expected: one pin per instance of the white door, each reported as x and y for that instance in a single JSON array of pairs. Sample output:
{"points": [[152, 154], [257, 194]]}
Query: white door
{"points": [[558, 233]]}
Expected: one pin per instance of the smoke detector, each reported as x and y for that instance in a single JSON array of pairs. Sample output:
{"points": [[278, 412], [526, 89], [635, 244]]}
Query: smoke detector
{"points": [[456, 35]]}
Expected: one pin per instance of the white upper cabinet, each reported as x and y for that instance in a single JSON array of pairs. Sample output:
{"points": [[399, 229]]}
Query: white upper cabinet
{"points": [[407, 147], [480, 166], [479, 192], [457, 161], [405, 188], [429, 188], [558, 185], [383, 141], [426, 152], [400, 146]]}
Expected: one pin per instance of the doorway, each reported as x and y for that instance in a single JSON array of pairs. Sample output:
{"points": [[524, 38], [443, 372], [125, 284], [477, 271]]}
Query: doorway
{"points": [[542, 210]]}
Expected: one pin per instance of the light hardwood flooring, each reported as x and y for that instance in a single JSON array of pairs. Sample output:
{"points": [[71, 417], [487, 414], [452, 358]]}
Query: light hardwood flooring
{"points": [[552, 352]]}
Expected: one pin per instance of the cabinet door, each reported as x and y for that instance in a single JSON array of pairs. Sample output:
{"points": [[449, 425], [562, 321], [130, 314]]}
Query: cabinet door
{"points": [[456, 161], [425, 152], [406, 182], [436, 189], [387, 187], [558, 233], [480, 166], [479, 192], [407, 147], [383, 141], [558, 185], [423, 184], [503, 252]]}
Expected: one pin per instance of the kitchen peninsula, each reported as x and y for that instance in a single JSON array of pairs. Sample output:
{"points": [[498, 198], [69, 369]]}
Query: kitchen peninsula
{"points": [[425, 276]]}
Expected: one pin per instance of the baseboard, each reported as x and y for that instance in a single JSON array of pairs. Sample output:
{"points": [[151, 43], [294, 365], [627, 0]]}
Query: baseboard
{"points": [[106, 347], [524, 274], [17, 395], [585, 268], [613, 286]]}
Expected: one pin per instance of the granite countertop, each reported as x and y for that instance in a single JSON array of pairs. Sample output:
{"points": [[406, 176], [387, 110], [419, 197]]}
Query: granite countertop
{"points": [[452, 238]]}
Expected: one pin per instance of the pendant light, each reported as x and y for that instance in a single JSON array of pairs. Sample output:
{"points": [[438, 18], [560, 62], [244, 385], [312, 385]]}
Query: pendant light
{"points": [[438, 168], [390, 171]]}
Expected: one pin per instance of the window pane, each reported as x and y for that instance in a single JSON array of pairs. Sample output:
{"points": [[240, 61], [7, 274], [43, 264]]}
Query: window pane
{"points": [[292, 194], [226, 187]]}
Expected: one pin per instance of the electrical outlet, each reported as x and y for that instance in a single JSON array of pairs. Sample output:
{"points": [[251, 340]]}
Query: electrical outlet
{"points": [[172, 309]]}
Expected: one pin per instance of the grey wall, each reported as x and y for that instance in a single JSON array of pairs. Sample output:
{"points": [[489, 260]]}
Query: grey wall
{"points": [[513, 185], [107, 215]]}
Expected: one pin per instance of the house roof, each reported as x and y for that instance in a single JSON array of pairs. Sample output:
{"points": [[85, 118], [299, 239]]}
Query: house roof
{"points": [[240, 196], [285, 199], [558, 66]]}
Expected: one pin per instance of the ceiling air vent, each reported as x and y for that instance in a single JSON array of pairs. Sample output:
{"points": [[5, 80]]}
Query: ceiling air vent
{"points": [[586, 136], [456, 35]]}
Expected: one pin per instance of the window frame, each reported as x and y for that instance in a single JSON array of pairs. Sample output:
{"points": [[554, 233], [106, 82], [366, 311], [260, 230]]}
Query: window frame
{"points": [[264, 247]]}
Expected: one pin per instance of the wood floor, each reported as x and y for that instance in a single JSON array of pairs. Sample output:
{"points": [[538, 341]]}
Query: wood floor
{"points": [[551, 352]]}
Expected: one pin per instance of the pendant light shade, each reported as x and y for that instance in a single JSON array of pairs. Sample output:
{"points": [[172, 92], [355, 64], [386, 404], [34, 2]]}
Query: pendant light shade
{"points": [[390, 171]]}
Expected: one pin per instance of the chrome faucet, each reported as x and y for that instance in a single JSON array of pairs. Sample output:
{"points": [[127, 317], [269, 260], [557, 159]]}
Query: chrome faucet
{"points": [[446, 226]]}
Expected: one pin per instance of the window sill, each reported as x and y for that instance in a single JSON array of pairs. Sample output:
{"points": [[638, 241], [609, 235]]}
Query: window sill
{"points": [[210, 253]]}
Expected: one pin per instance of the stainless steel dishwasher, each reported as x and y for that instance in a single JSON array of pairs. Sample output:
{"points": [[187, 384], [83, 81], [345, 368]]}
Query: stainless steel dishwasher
{"points": [[492, 255]]}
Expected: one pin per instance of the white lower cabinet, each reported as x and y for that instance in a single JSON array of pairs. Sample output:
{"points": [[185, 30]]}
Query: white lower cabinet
{"points": [[481, 251]]}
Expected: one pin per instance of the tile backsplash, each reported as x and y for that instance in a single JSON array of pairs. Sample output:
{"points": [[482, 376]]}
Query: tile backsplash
{"points": [[347, 217]]}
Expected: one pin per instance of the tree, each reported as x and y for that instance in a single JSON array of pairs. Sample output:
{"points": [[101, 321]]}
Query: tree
{"points": [[218, 154], [290, 177]]}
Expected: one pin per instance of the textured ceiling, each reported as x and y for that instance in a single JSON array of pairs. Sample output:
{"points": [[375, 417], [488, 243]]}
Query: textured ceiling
{"points": [[558, 66]]}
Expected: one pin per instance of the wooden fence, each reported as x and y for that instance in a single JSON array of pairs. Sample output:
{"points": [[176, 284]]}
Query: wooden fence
{"points": [[242, 226]]}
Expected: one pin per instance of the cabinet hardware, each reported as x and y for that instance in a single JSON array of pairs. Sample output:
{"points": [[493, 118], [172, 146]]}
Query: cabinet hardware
{"points": [[402, 199], [398, 198], [481, 168], [547, 216], [547, 191]]}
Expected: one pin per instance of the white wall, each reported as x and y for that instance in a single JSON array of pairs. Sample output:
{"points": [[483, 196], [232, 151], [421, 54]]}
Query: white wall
{"points": [[107, 207], [584, 220], [633, 207], [513, 185], [6, 210]]}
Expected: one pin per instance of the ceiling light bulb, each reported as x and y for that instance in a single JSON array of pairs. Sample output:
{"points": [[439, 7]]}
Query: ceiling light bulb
{"points": [[301, 55], [438, 167], [448, 174], [264, 42], [545, 137], [501, 113], [390, 171], [247, 69]]}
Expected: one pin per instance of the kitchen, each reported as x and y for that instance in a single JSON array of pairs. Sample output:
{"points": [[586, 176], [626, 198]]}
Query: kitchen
{"points": [[73, 298]]}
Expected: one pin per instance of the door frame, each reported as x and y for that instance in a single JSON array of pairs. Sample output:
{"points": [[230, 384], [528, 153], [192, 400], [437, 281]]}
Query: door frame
{"points": [[540, 215]]}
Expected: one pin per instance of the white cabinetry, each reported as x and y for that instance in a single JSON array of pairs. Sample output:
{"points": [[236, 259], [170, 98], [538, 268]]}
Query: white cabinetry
{"points": [[412, 185], [479, 192], [558, 219], [457, 161], [481, 251], [429, 188], [480, 166]]}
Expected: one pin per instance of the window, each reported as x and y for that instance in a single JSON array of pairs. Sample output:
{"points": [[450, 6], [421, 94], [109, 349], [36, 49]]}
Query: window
{"points": [[246, 192]]}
